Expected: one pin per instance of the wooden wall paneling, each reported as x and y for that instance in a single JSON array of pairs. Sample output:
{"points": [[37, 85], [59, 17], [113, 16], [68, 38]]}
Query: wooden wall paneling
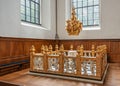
{"points": [[16, 48], [21, 46], [27, 45], [4, 48], [37, 45], [115, 51]]}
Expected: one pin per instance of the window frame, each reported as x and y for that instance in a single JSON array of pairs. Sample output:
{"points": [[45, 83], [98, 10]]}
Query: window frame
{"points": [[38, 10], [93, 13]]}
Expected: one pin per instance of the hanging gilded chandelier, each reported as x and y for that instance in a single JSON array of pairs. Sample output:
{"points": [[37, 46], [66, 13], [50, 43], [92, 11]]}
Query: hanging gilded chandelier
{"points": [[74, 26]]}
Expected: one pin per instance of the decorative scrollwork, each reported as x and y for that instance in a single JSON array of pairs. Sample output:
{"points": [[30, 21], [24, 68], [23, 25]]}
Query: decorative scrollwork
{"points": [[38, 63]]}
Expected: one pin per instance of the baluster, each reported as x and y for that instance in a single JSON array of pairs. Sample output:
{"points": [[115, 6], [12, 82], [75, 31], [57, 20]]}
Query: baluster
{"points": [[93, 51], [89, 54], [81, 50], [32, 52], [78, 61], [98, 63], [56, 49]]}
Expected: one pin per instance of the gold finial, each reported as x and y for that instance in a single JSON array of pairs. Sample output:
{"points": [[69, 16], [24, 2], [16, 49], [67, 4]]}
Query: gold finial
{"points": [[32, 49], [42, 49], [50, 48], [56, 47], [46, 48], [74, 26], [71, 47], [93, 50], [62, 47]]}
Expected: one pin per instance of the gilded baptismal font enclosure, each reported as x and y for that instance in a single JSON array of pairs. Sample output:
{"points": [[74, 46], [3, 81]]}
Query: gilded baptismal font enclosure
{"points": [[80, 63]]}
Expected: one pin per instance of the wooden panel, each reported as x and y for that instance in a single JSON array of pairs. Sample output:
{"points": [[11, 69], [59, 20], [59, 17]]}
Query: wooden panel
{"points": [[16, 48], [20, 46], [4, 48]]}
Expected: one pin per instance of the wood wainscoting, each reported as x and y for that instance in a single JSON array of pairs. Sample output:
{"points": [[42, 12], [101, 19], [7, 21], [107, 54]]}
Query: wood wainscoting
{"points": [[14, 52], [113, 46]]}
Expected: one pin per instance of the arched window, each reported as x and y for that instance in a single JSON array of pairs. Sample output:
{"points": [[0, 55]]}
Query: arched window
{"points": [[87, 12], [30, 11]]}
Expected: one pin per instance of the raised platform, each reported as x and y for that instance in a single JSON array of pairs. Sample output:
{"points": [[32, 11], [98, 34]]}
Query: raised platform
{"points": [[5, 83], [74, 78]]}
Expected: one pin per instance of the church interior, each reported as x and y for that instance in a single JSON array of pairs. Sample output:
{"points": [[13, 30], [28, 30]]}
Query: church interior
{"points": [[59, 42]]}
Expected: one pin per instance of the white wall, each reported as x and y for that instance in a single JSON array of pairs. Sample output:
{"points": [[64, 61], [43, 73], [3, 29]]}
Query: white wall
{"points": [[110, 22], [10, 23], [9, 19]]}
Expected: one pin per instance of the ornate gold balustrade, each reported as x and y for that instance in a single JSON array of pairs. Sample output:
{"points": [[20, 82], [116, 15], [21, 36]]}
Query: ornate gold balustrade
{"points": [[75, 63]]}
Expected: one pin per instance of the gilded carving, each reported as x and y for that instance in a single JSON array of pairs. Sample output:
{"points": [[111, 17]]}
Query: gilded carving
{"points": [[74, 26]]}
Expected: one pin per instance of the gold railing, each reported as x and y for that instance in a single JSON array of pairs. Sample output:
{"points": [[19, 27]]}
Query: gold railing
{"points": [[78, 63]]}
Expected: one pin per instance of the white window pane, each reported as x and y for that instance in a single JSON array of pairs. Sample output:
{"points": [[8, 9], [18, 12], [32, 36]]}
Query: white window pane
{"points": [[84, 11], [37, 7], [90, 17], [32, 5], [84, 22], [96, 15], [79, 11], [37, 20], [27, 11], [96, 2], [27, 3], [37, 1], [32, 19], [90, 2], [96, 22], [80, 0], [85, 18], [90, 10], [23, 16], [80, 17], [36, 14], [74, 0], [75, 5], [80, 4], [32, 13], [27, 18], [84, 2], [90, 22], [96, 9]]}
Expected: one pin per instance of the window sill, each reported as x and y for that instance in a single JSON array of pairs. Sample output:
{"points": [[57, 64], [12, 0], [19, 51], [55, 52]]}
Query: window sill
{"points": [[32, 25], [91, 28]]}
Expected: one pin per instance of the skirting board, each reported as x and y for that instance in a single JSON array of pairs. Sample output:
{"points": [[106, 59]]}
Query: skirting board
{"points": [[74, 78]]}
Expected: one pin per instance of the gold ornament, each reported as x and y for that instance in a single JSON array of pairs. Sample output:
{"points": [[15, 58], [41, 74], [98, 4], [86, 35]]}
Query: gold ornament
{"points": [[74, 26]]}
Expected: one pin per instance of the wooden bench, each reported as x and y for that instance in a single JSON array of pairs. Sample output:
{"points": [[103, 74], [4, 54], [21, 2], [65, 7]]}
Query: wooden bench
{"points": [[11, 64]]}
